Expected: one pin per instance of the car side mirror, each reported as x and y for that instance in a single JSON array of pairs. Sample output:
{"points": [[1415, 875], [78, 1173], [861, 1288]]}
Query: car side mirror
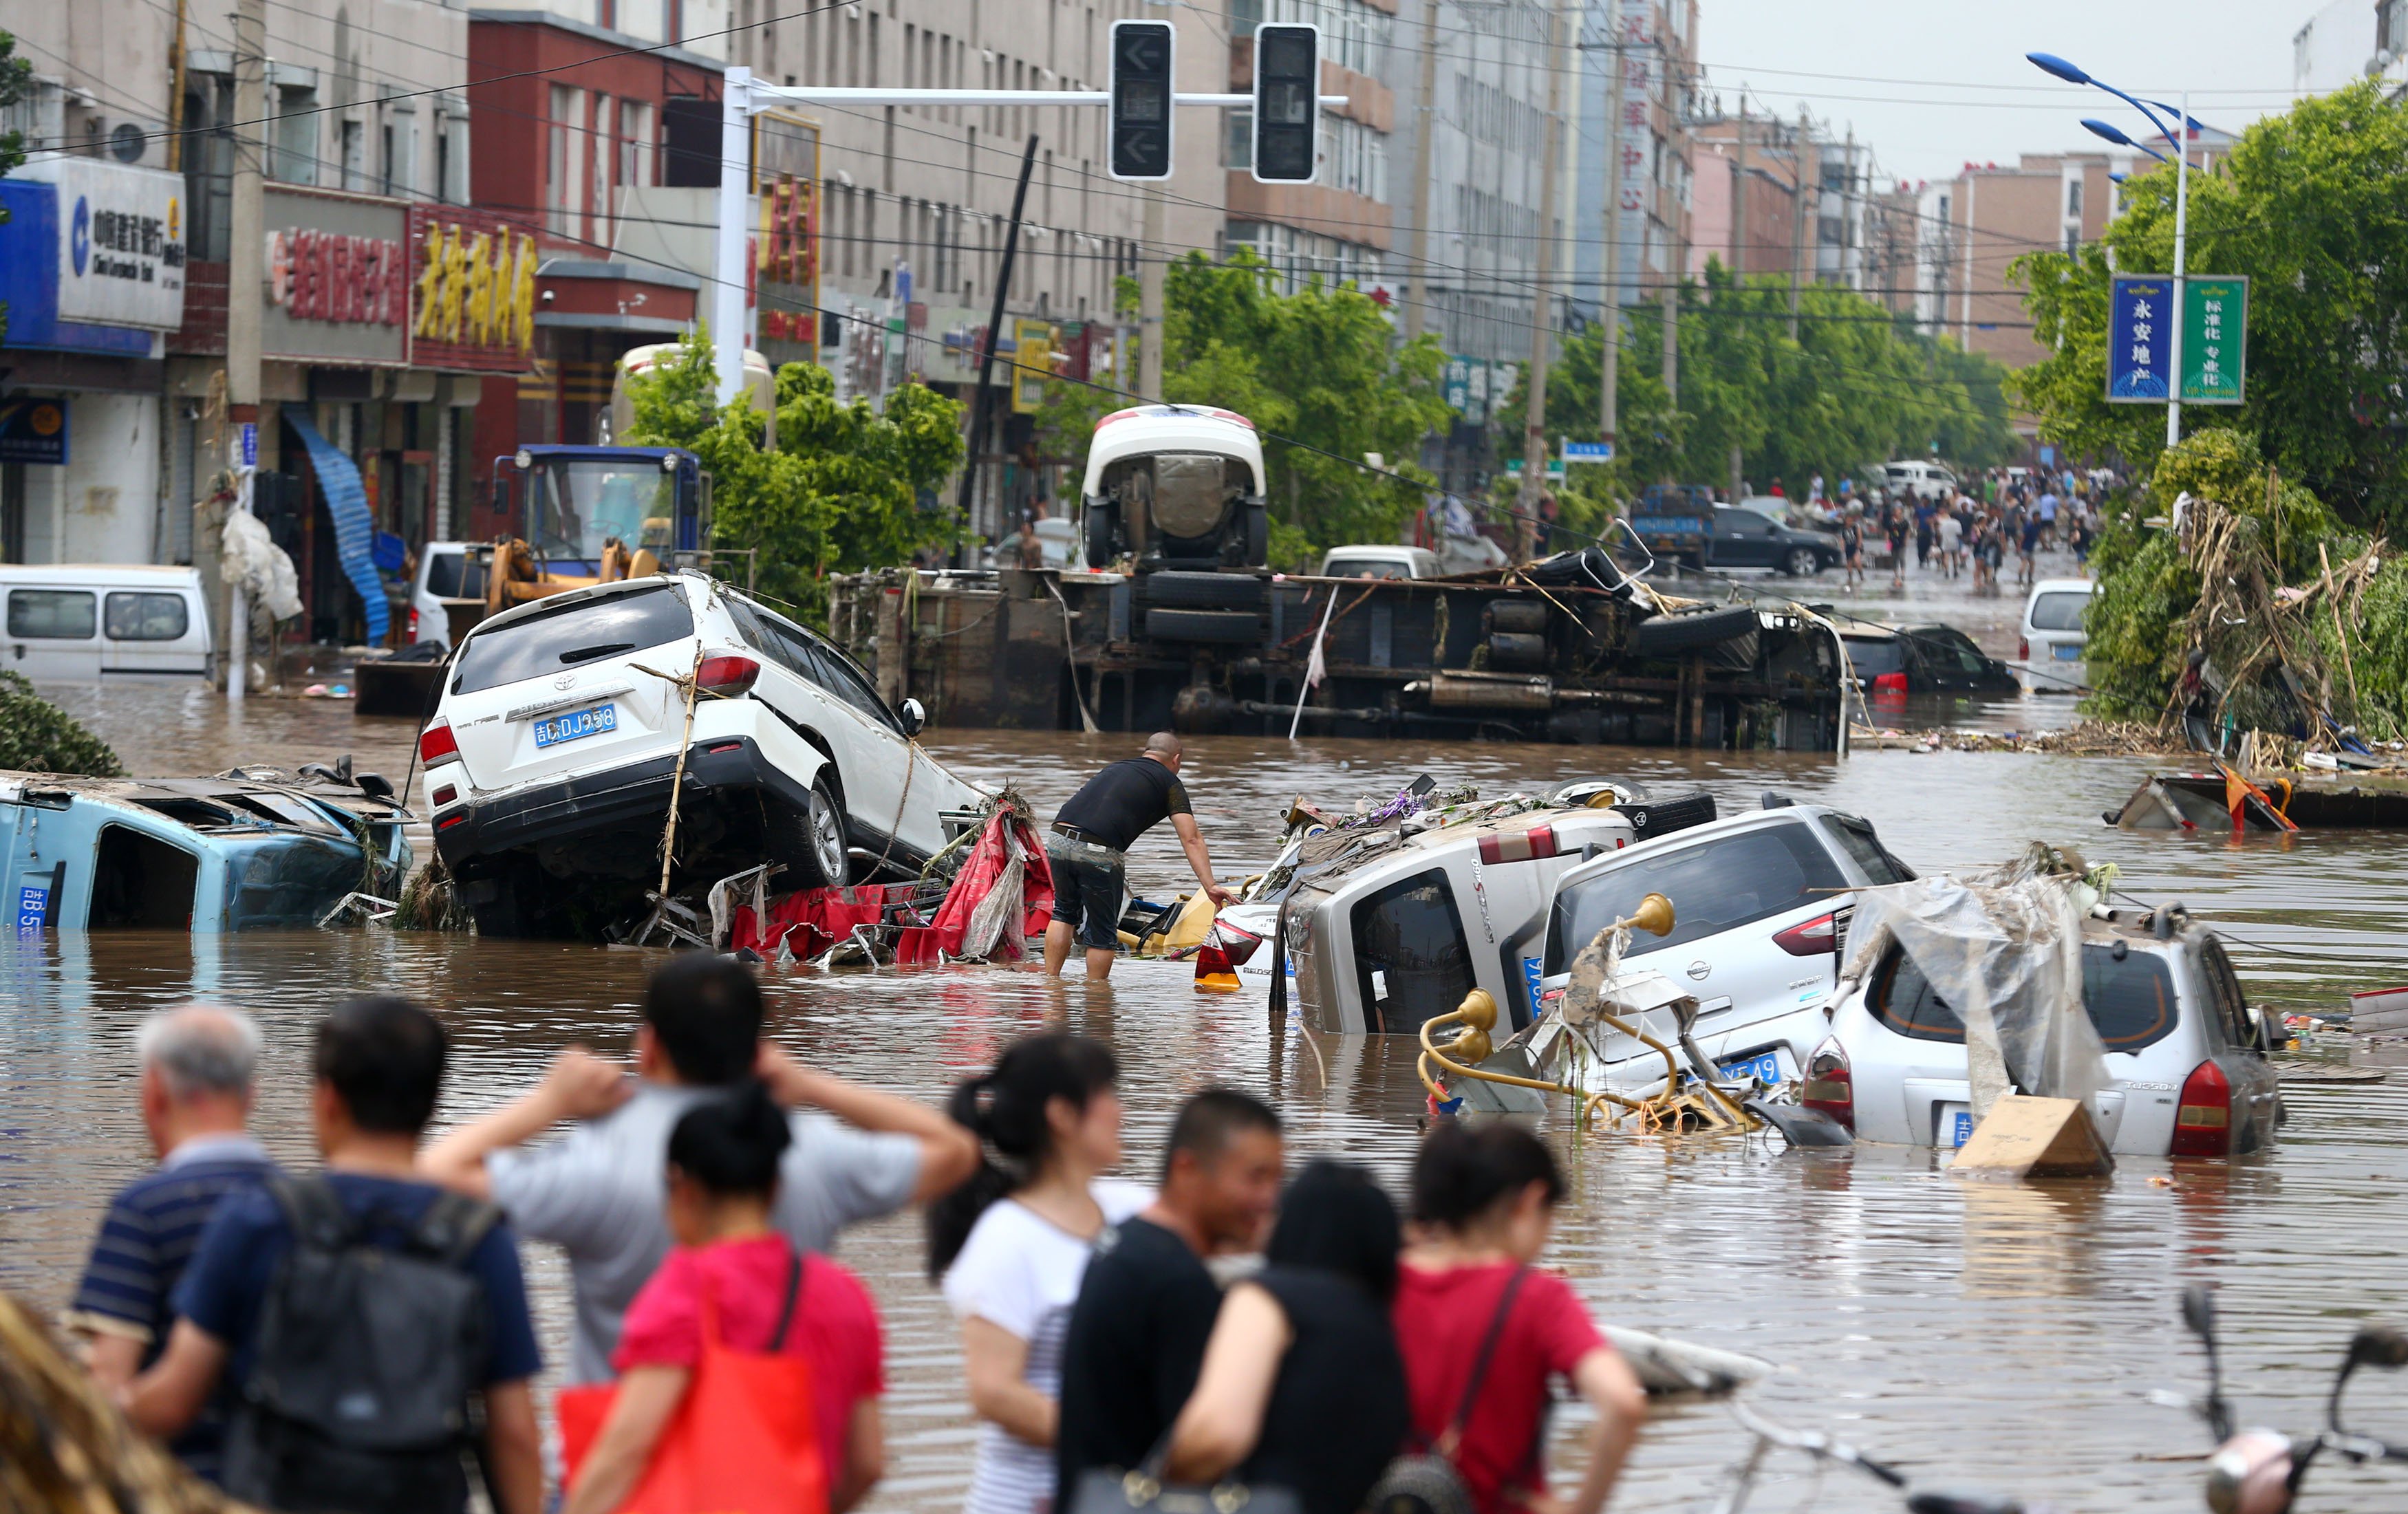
{"points": [[914, 718]]}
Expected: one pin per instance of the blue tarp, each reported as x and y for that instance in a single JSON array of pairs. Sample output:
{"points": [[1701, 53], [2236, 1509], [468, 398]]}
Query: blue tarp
{"points": [[347, 500]]}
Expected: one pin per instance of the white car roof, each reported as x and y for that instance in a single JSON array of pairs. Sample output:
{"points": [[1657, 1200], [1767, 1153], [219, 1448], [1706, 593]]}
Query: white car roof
{"points": [[1362, 554], [600, 591], [84, 574], [1171, 428], [2062, 586]]}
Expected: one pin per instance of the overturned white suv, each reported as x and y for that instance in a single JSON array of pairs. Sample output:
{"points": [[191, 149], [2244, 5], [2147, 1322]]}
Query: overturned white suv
{"points": [[551, 757]]}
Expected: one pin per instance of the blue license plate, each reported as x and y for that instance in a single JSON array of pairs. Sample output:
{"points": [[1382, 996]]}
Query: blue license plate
{"points": [[1960, 1127], [2067, 651], [1764, 1065], [575, 725]]}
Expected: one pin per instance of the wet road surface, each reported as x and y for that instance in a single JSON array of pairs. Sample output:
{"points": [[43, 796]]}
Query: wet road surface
{"points": [[1991, 1336]]}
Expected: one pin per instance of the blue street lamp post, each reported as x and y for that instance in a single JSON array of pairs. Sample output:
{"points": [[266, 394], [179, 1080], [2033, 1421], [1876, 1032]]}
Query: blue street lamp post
{"points": [[2050, 63]]}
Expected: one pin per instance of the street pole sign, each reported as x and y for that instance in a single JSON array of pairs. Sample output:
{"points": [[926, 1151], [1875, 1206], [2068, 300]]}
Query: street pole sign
{"points": [[1596, 451], [2216, 339], [245, 445], [2140, 333]]}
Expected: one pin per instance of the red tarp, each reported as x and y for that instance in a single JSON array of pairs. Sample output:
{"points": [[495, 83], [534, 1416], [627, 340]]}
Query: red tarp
{"points": [[810, 920], [989, 856]]}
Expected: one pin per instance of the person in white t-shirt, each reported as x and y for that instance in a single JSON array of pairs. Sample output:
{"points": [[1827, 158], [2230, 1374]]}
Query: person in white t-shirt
{"points": [[1010, 1247]]}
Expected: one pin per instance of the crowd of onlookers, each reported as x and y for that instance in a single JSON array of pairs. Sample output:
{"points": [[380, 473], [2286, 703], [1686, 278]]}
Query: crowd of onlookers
{"points": [[1968, 531], [358, 1338]]}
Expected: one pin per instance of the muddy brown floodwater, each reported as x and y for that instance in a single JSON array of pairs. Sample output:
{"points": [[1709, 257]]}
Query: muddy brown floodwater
{"points": [[1991, 1336]]}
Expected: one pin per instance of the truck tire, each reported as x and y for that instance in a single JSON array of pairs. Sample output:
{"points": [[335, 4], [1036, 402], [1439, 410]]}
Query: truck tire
{"points": [[1258, 536], [1653, 818], [1668, 635], [1098, 525], [1229, 627], [1204, 591]]}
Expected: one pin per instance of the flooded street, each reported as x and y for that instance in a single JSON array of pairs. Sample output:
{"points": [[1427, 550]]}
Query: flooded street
{"points": [[1991, 1336]]}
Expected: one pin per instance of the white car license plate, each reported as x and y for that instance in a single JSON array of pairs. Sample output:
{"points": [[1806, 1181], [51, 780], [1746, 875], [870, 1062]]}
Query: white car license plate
{"points": [[1764, 1065], [2067, 651], [1955, 1125], [575, 725]]}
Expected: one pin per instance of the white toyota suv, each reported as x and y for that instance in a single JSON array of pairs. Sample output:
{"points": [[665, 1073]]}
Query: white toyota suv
{"points": [[549, 759]]}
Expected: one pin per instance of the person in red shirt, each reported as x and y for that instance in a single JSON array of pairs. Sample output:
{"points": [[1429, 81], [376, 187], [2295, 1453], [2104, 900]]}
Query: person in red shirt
{"points": [[722, 1181], [1484, 1200]]}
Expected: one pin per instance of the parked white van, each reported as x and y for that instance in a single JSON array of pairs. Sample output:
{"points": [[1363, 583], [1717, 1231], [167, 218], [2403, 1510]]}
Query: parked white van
{"points": [[1919, 481], [81, 622]]}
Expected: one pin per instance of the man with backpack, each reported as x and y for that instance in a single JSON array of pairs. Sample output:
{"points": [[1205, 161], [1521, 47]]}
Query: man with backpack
{"points": [[376, 1325]]}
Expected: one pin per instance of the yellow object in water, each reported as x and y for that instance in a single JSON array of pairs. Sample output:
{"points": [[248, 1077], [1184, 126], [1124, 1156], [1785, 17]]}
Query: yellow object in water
{"points": [[1194, 918]]}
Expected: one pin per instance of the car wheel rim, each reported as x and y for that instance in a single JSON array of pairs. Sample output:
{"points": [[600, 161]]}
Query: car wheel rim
{"points": [[827, 837]]}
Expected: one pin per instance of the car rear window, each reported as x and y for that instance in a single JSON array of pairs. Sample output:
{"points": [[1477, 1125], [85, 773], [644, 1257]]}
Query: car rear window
{"points": [[443, 575], [584, 631], [2059, 612], [2133, 1002], [1715, 886], [1872, 656]]}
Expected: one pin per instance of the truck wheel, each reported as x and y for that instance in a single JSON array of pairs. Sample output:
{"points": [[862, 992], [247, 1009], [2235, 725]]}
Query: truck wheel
{"points": [[1230, 627], [1100, 530], [1204, 591], [1804, 563], [812, 841], [1258, 536]]}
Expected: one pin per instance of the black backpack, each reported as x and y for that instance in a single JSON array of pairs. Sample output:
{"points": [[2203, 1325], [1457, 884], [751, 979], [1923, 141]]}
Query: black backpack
{"points": [[366, 1356]]}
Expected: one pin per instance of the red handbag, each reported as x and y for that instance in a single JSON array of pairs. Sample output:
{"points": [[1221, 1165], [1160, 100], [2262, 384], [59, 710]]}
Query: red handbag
{"points": [[742, 1442]]}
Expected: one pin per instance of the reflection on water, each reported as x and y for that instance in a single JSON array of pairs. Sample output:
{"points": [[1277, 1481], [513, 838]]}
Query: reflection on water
{"points": [[1990, 1335]]}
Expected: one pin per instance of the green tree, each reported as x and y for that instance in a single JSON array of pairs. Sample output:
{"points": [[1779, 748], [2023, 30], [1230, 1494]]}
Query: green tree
{"points": [[2308, 205], [1855, 387], [1321, 374], [842, 491], [16, 80]]}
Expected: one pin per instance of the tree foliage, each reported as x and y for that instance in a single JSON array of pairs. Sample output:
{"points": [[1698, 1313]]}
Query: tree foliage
{"points": [[2308, 205], [1318, 371], [843, 490], [37, 736], [1857, 387]]}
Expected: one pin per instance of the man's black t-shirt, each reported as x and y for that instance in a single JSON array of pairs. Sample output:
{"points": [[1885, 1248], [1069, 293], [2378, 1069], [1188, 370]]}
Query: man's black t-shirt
{"points": [[1123, 802], [1135, 1346]]}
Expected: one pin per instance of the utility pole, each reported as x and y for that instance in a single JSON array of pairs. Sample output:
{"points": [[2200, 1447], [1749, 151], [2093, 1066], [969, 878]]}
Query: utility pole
{"points": [[1153, 258], [1739, 273], [246, 277], [1798, 211], [1609, 356], [979, 397], [1534, 424], [1425, 127]]}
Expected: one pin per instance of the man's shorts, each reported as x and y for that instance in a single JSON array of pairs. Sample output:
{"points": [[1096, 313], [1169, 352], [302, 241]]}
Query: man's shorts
{"points": [[1088, 886]]}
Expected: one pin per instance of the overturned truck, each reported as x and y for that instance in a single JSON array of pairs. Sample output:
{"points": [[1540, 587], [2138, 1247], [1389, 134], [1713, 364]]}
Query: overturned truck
{"points": [[1568, 649]]}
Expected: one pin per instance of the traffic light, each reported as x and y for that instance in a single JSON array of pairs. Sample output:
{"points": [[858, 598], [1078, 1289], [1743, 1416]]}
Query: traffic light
{"points": [[1287, 101], [1143, 52]]}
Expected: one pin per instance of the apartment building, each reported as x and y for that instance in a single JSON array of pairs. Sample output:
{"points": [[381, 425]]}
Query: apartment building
{"points": [[1340, 228], [1772, 194], [1635, 183], [2348, 40]]}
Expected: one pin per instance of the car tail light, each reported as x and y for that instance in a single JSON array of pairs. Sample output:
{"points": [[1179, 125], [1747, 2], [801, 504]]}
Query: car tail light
{"points": [[445, 795], [1816, 937], [413, 622], [727, 675], [1829, 1086], [1889, 683], [2023, 648], [435, 743], [1227, 948], [2203, 1116]]}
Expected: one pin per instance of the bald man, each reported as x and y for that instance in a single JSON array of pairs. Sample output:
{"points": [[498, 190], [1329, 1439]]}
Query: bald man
{"points": [[1089, 850], [198, 1066]]}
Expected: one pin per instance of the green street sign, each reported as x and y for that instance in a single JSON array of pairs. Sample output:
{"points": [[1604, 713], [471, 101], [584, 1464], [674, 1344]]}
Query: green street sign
{"points": [[2216, 339]]}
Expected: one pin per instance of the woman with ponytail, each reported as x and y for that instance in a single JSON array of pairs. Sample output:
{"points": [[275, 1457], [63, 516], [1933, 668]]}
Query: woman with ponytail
{"points": [[1010, 1245], [733, 1270]]}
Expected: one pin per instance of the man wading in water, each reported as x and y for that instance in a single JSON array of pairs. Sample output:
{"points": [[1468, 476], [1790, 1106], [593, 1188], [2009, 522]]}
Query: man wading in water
{"points": [[1089, 850]]}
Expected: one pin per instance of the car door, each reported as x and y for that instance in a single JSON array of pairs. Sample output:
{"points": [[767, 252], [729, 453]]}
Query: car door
{"points": [[2256, 1087], [871, 758], [54, 633], [1743, 538]]}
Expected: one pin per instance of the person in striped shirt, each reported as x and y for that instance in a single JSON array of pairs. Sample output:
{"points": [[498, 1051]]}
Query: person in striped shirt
{"points": [[198, 1063]]}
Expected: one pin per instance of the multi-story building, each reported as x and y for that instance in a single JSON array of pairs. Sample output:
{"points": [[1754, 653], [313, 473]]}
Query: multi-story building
{"points": [[2348, 40], [1636, 188], [1794, 192], [1340, 227]]}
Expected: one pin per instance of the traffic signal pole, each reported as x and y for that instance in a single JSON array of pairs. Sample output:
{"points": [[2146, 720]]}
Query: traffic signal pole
{"points": [[979, 405], [745, 96]]}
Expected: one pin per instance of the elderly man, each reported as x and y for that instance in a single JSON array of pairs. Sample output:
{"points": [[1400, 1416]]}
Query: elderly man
{"points": [[1088, 850], [197, 1068]]}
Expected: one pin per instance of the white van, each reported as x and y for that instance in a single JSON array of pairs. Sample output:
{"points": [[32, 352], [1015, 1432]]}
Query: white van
{"points": [[80, 622], [1919, 481]]}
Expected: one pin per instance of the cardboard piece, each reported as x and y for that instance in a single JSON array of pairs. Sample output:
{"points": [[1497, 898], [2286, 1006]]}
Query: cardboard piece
{"points": [[2028, 1137]]}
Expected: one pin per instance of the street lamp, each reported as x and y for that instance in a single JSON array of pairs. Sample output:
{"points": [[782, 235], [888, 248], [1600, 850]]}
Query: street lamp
{"points": [[2050, 63]]}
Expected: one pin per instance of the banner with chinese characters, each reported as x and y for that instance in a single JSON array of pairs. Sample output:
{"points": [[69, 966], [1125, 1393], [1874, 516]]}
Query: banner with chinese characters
{"points": [[338, 278], [472, 298], [2140, 338], [787, 264], [2216, 339], [1632, 38]]}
